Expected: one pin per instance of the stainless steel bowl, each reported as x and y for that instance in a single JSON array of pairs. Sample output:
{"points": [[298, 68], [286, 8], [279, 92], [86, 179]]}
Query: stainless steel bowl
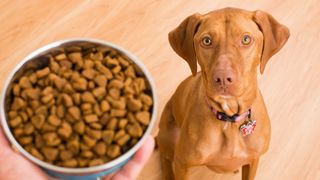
{"points": [[38, 59]]}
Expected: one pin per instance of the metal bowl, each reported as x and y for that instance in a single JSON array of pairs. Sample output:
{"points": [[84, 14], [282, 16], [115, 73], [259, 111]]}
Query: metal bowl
{"points": [[39, 59]]}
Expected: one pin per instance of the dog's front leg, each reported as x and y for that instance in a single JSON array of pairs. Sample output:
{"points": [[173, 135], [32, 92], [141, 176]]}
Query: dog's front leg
{"points": [[249, 170], [180, 170]]}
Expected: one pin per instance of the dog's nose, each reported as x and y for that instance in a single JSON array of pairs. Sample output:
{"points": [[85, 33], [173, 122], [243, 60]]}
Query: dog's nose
{"points": [[224, 77]]}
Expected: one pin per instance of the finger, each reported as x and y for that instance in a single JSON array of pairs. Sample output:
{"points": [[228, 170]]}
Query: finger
{"points": [[3, 141], [132, 169]]}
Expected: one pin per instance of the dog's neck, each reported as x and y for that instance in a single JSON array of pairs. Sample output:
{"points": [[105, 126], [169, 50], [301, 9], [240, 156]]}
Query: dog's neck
{"points": [[231, 105]]}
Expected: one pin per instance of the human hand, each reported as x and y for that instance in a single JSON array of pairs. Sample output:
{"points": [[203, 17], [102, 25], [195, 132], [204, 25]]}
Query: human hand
{"points": [[14, 166]]}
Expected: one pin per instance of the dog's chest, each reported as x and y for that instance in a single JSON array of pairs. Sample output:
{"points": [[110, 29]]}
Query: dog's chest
{"points": [[227, 149]]}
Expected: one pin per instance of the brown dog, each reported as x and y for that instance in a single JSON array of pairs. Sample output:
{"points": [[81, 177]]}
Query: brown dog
{"points": [[210, 118]]}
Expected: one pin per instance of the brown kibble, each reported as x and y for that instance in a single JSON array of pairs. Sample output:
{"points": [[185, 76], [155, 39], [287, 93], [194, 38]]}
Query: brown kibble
{"points": [[18, 103], [80, 84], [143, 117], [101, 80], [84, 147], [79, 127], [99, 92], [12, 114], [28, 129], [101, 68], [123, 61], [83, 162], [86, 106], [43, 72], [97, 110], [15, 122], [104, 106], [68, 89], [73, 145], [115, 84], [89, 73], [67, 100], [91, 118], [51, 139], [119, 134], [50, 153], [116, 70], [88, 64], [119, 104], [123, 140], [54, 66], [97, 56], [60, 57], [16, 90], [129, 72], [112, 124], [54, 120], [117, 113], [38, 121], [39, 143], [88, 97], [24, 140], [95, 134], [89, 141], [134, 130], [42, 110], [87, 154], [97, 126], [95, 162], [76, 98], [17, 132], [47, 127], [29, 112], [24, 116], [66, 155], [100, 148], [134, 104], [107, 136], [91, 85], [75, 57], [65, 130], [122, 123], [60, 111], [36, 154], [74, 112], [104, 119], [114, 93], [25, 83], [72, 163], [113, 151], [33, 94], [59, 83], [46, 99], [146, 99], [110, 62]]}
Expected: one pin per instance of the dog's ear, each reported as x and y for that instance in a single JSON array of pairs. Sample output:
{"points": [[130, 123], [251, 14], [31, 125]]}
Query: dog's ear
{"points": [[275, 35], [181, 40]]}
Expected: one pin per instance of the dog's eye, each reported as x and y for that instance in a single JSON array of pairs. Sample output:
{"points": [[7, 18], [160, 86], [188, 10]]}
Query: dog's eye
{"points": [[246, 40], [206, 41]]}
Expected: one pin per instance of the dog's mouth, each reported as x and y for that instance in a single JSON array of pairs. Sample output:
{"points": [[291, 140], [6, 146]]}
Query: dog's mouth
{"points": [[225, 103]]}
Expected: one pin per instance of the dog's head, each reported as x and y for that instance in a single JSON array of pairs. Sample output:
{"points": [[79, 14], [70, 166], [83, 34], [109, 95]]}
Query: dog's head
{"points": [[228, 44]]}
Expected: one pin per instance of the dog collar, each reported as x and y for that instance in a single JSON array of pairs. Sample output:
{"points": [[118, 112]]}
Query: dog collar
{"points": [[235, 118]]}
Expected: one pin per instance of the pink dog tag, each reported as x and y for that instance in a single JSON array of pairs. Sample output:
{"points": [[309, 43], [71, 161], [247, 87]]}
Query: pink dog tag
{"points": [[248, 127]]}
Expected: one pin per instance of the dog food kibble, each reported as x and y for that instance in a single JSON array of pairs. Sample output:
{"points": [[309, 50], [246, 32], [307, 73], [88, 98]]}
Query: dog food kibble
{"points": [[85, 108]]}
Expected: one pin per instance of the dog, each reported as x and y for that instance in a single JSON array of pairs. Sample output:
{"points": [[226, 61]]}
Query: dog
{"points": [[217, 117]]}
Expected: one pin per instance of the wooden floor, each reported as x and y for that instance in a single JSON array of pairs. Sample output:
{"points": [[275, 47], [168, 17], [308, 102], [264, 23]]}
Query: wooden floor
{"points": [[290, 85]]}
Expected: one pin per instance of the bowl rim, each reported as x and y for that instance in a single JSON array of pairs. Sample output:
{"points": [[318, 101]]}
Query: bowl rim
{"points": [[85, 170]]}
